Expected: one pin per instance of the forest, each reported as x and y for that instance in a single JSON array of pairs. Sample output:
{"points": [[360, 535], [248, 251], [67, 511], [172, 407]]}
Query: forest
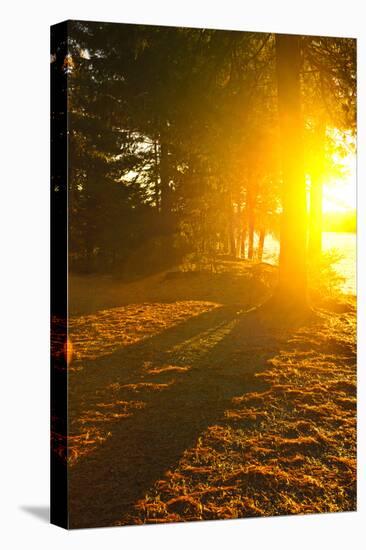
{"points": [[208, 379], [175, 143]]}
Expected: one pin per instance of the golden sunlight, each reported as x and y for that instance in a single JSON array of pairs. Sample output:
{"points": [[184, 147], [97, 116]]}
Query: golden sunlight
{"points": [[340, 194], [203, 274]]}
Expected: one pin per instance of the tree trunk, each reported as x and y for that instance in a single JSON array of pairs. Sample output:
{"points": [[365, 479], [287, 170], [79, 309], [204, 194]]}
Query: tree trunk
{"points": [[316, 195], [250, 215], [243, 235], [156, 174], [292, 264], [315, 226], [165, 191], [262, 235], [231, 230], [232, 240]]}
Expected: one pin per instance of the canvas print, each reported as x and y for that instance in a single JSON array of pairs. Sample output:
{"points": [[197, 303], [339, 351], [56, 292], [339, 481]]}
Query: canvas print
{"points": [[203, 233]]}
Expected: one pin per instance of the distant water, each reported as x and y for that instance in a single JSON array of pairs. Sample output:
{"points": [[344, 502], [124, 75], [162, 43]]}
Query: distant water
{"points": [[344, 243]]}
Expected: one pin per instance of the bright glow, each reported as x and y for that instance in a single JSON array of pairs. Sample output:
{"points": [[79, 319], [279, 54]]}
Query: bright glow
{"points": [[340, 186], [340, 194]]}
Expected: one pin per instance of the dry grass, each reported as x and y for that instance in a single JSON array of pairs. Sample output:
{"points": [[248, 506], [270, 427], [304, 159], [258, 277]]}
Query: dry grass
{"points": [[289, 449], [203, 412], [102, 333]]}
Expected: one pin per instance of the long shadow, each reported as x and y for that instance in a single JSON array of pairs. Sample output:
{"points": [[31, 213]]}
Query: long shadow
{"points": [[229, 348], [124, 364]]}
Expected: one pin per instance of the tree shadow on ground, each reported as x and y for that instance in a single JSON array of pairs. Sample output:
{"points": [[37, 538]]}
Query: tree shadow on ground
{"points": [[185, 379]]}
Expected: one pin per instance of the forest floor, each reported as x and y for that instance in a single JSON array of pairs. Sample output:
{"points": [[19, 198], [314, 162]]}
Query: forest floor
{"points": [[184, 405]]}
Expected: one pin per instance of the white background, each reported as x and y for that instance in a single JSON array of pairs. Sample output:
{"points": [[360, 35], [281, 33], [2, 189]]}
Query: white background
{"points": [[24, 272]]}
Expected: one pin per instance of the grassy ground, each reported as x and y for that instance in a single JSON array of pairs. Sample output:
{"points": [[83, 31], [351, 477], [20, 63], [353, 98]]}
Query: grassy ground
{"points": [[184, 406]]}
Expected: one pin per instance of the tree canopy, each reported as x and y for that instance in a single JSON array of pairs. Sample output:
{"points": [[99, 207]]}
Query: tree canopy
{"points": [[175, 140]]}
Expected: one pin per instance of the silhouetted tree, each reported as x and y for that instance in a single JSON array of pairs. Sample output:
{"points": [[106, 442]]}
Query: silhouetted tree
{"points": [[292, 287]]}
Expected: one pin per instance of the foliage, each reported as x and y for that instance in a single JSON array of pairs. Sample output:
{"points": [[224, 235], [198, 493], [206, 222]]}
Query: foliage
{"points": [[174, 142], [324, 280]]}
